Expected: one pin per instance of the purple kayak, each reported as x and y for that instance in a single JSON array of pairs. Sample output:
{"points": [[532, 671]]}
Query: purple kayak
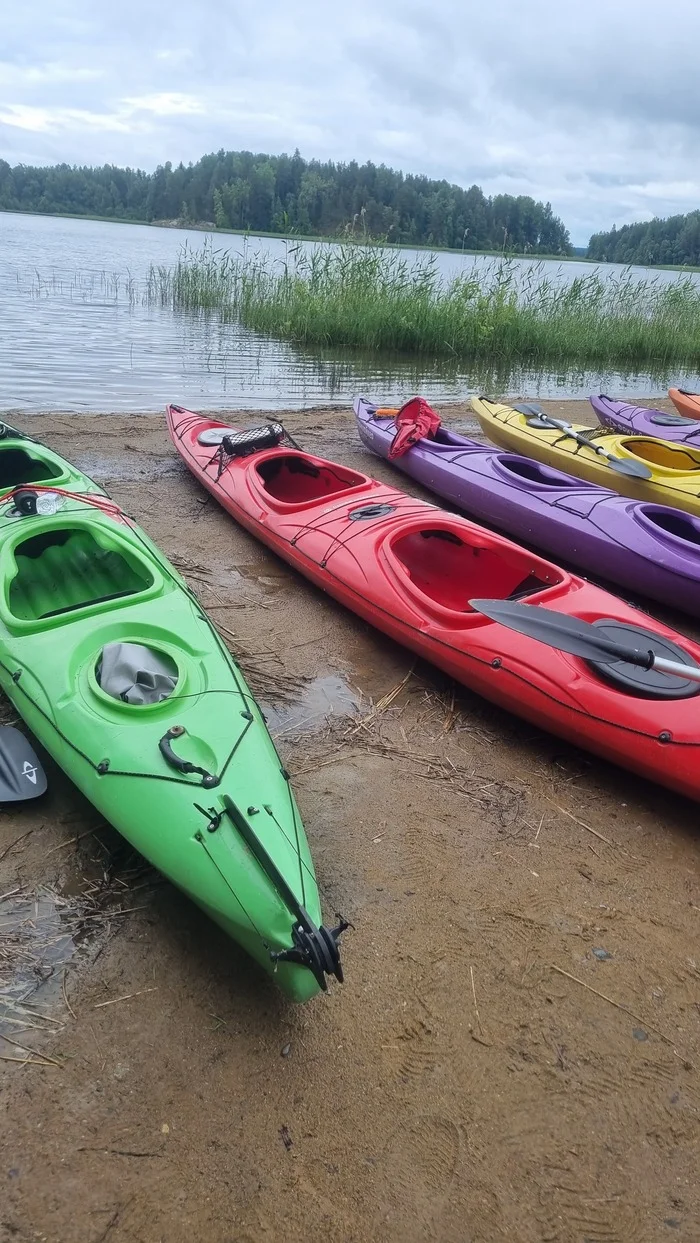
{"points": [[641, 421], [636, 545]]}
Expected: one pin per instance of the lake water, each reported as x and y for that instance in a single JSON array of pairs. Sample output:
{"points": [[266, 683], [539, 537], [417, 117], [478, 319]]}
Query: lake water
{"points": [[71, 338]]}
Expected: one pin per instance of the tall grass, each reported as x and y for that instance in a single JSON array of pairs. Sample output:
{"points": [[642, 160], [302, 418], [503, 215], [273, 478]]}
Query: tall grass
{"points": [[369, 298]]}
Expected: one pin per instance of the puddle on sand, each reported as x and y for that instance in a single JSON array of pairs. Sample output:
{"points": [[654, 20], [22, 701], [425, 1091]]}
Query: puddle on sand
{"points": [[317, 703], [259, 572], [42, 930], [39, 933]]}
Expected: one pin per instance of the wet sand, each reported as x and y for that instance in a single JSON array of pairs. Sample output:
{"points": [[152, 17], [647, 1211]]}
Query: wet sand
{"points": [[515, 1052]]}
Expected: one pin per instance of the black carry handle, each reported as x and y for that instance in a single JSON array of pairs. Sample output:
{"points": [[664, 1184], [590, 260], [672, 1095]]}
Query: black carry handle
{"points": [[183, 766]]}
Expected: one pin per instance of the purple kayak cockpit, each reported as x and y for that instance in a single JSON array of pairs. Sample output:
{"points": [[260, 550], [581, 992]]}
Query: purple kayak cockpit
{"points": [[670, 524], [525, 471]]}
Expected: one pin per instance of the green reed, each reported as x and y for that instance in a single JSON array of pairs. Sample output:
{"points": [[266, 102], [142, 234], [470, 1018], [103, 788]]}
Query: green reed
{"points": [[375, 299]]}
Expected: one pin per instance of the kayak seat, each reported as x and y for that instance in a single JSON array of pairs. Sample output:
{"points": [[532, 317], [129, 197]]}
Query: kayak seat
{"points": [[293, 479], [20, 466], [59, 571], [665, 454], [451, 572]]}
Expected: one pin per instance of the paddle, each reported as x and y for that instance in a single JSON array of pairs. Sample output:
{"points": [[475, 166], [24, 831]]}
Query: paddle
{"points": [[580, 638], [21, 774], [623, 466]]}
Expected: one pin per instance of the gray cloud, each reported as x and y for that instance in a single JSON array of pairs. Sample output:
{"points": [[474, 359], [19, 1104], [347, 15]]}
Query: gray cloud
{"points": [[595, 108]]}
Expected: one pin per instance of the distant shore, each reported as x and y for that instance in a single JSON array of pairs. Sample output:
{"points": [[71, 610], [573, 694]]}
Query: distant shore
{"points": [[210, 227]]}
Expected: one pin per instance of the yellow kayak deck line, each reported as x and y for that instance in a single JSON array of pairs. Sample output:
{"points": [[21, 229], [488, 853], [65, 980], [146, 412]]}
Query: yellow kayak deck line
{"points": [[675, 468]]}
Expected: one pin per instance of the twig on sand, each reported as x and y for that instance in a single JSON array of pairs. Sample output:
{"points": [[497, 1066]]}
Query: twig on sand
{"points": [[16, 842], [585, 826], [450, 715], [50, 1061], [73, 840], [383, 703], [126, 997], [476, 1008], [65, 996], [618, 1005], [340, 757], [479, 1037], [24, 1061]]}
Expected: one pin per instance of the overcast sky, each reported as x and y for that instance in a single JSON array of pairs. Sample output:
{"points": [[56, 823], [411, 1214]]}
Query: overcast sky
{"points": [[593, 106]]}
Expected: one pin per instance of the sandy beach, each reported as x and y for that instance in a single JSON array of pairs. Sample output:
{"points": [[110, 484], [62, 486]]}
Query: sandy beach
{"points": [[514, 1054]]}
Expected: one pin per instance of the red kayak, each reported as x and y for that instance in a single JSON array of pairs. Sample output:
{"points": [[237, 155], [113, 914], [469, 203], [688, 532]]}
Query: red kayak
{"points": [[410, 569]]}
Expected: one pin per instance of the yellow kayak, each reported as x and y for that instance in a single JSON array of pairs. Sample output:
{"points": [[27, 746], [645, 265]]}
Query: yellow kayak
{"points": [[675, 470]]}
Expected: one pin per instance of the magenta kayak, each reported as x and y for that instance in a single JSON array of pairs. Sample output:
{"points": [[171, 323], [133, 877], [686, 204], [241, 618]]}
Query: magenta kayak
{"points": [[635, 545], [641, 421]]}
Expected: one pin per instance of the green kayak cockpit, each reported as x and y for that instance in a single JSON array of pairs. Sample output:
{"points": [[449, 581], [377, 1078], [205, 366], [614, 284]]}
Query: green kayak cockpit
{"points": [[62, 569], [21, 465], [24, 462]]}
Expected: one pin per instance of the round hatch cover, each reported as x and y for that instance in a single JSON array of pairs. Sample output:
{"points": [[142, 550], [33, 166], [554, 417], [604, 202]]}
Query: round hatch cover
{"points": [[214, 435], [370, 511], [645, 683], [670, 420]]}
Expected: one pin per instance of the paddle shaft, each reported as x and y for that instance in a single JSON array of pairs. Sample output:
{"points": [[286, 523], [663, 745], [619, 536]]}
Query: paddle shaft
{"points": [[578, 436], [675, 669]]}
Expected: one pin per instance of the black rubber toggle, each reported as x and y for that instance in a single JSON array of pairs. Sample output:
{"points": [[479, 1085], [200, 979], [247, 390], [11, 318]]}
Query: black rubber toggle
{"points": [[25, 500]]}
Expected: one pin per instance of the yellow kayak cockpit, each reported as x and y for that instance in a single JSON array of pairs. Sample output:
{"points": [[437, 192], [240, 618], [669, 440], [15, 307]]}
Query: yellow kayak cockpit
{"points": [[663, 453]]}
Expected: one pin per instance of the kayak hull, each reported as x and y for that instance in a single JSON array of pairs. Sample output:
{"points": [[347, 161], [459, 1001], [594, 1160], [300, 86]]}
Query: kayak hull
{"points": [[675, 469], [410, 569], [84, 577], [640, 421], [621, 540]]}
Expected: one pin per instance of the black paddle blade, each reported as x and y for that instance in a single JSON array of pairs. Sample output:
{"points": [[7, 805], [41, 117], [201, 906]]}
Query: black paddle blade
{"points": [[567, 634], [21, 774], [628, 466], [529, 407]]}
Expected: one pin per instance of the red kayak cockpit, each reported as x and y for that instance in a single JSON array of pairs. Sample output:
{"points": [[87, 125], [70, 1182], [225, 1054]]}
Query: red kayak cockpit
{"points": [[446, 570], [296, 479]]}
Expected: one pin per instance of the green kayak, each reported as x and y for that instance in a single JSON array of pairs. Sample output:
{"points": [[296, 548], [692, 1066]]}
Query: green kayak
{"points": [[121, 676], [26, 461]]}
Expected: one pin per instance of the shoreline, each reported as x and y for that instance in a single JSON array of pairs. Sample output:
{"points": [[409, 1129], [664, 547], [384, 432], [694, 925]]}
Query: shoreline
{"points": [[205, 227], [578, 408]]}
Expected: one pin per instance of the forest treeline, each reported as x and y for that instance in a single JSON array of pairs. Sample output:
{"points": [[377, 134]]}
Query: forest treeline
{"points": [[675, 240], [287, 195]]}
